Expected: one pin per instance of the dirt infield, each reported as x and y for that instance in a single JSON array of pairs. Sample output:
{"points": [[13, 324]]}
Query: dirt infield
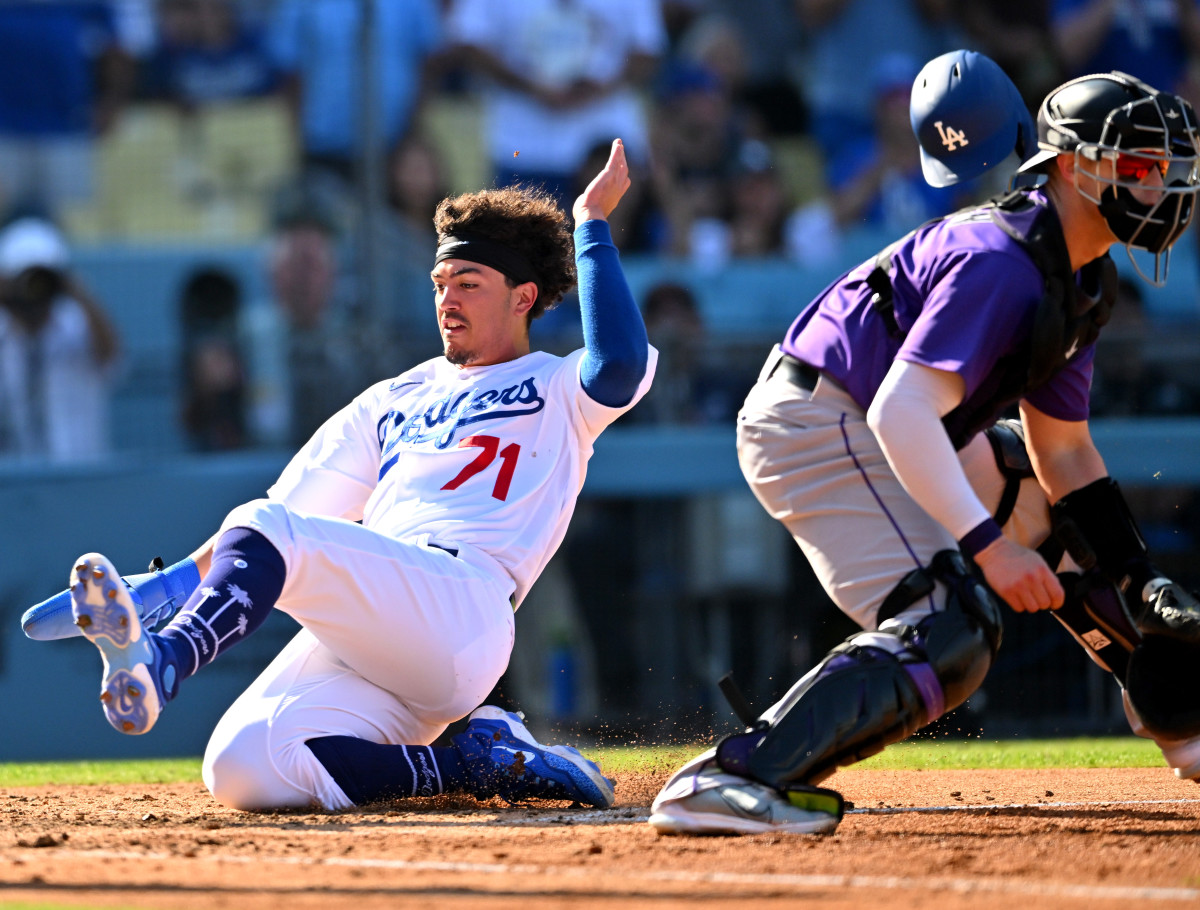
{"points": [[946, 839]]}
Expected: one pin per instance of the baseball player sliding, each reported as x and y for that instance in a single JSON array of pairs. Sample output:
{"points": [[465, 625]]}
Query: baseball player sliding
{"points": [[872, 435], [401, 537]]}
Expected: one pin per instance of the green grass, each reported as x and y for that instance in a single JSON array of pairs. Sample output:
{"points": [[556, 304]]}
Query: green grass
{"points": [[1108, 752], [1114, 752], [156, 771]]}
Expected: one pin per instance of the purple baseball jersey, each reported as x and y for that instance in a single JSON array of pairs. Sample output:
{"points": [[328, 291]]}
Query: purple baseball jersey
{"points": [[965, 295]]}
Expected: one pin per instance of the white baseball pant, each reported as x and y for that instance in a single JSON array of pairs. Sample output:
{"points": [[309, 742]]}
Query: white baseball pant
{"points": [[399, 639], [815, 465]]}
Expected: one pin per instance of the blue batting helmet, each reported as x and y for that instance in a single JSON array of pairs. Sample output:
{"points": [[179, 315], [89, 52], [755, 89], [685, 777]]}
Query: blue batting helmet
{"points": [[968, 117]]}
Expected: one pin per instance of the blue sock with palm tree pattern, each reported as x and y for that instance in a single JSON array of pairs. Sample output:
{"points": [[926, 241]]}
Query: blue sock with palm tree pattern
{"points": [[234, 598]]}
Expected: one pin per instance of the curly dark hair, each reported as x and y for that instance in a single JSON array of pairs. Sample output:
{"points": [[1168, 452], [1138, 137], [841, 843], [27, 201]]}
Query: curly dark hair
{"points": [[528, 220]]}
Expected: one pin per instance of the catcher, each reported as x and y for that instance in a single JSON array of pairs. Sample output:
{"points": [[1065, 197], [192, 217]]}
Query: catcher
{"points": [[872, 435]]}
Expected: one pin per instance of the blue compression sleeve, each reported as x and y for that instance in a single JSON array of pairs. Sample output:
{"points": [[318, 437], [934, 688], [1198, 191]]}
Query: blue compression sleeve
{"points": [[613, 331]]}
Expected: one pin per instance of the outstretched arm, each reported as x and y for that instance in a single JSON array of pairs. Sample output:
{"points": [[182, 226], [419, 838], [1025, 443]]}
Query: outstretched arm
{"points": [[616, 342]]}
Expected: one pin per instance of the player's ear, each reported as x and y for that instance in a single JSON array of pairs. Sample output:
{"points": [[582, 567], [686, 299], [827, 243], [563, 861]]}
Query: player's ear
{"points": [[1066, 167], [526, 296]]}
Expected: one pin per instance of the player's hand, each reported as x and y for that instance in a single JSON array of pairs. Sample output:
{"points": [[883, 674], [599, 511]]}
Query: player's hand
{"points": [[606, 189], [1020, 576]]}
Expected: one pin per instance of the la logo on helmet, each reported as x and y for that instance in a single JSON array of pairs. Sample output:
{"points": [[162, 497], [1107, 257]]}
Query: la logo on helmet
{"points": [[951, 136]]}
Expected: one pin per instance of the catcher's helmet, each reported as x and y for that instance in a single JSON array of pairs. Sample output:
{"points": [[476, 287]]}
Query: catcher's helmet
{"points": [[1118, 118], [968, 117]]}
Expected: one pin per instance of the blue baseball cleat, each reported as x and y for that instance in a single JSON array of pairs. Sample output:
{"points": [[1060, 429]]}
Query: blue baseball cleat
{"points": [[132, 691], [156, 594], [505, 760]]}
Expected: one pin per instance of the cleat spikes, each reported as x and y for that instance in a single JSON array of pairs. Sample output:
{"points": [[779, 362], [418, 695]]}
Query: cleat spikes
{"points": [[131, 691]]}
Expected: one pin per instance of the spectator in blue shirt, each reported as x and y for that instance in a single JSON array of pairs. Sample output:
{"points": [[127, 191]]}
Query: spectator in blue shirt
{"points": [[64, 77], [1151, 39], [316, 44], [208, 53], [845, 39], [878, 182]]}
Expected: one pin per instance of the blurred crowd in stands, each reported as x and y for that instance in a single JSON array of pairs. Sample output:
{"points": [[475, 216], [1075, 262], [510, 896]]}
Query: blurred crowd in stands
{"points": [[756, 129]]}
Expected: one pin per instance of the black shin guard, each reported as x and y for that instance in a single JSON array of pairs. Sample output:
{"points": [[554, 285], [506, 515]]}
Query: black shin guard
{"points": [[876, 688], [1095, 614], [856, 701], [1160, 675], [1097, 529]]}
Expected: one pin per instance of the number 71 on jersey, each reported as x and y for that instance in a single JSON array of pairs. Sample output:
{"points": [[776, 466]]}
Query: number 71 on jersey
{"points": [[491, 448]]}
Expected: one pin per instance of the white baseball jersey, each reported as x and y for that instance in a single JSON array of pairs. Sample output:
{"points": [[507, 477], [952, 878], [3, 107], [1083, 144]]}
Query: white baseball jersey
{"points": [[490, 456]]}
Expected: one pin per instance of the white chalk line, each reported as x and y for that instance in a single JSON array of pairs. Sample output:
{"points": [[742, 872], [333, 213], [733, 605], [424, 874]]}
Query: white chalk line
{"points": [[627, 876], [598, 818]]}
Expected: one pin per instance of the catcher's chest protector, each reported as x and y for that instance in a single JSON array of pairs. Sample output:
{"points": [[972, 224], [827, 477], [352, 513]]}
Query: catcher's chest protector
{"points": [[1067, 319]]}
